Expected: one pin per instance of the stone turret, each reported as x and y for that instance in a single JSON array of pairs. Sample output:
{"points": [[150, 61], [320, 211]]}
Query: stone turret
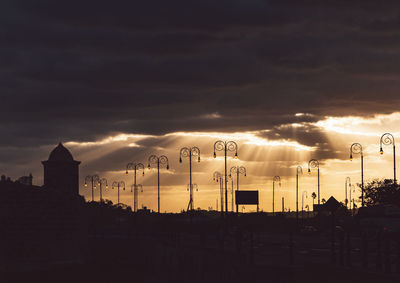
{"points": [[61, 171]]}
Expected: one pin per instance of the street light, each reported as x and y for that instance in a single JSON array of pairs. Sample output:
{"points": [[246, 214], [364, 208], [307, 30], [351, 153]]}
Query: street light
{"points": [[388, 139], [118, 185], [102, 181], [135, 167], [313, 163], [357, 148], [135, 190], [275, 179], [237, 170], [298, 170], [302, 204], [225, 146], [192, 188], [352, 189], [94, 179], [160, 161], [189, 152], [217, 176], [347, 183]]}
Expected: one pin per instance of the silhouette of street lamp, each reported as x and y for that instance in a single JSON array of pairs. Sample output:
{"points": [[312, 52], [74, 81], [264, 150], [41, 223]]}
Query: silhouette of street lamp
{"points": [[193, 187], [102, 181], [313, 163], [135, 167], [298, 170], [135, 190], [225, 146], [232, 194], [94, 179], [356, 148], [190, 152], [237, 170], [352, 200], [217, 176], [302, 203], [275, 179], [347, 183], [388, 139], [117, 185], [160, 161]]}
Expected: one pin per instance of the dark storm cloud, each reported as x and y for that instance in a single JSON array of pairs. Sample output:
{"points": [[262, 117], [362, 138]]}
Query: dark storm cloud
{"points": [[82, 70]]}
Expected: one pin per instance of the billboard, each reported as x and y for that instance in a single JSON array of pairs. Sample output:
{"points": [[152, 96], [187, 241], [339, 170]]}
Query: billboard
{"points": [[246, 197]]}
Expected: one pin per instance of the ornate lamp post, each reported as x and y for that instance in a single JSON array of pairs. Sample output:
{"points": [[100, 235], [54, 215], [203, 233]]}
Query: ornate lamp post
{"points": [[276, 179], [232, 193], [160, 161], [352, 200], [102, 181], [347, 183], [357, 148], [94, 179], [237, 170], [191, 189], [135, 190], [118, 185], [388, 139], [135, 167], [225, 146], [302, 204], [189, 152], [218, 178], [298, 170], [313, 163]]}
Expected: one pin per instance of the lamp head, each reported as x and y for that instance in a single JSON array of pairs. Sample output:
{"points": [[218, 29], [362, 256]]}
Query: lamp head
{"points": [[381, 151], [167, 166], [309, 171], [94, 187], [85, 184], [198, 159], [180, 159], [148, 166], [351, 157], [236, 156], [126, 173], [143, 173], [215, 154], [106, 186]]}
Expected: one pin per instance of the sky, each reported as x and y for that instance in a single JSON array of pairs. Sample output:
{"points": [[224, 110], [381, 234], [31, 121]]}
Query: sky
{"points": [[116, 82]]}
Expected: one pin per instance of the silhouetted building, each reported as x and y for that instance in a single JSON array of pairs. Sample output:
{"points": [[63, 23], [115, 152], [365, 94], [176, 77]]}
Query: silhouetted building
{"points": [[61, 171], [41, 226], [26, 180]]}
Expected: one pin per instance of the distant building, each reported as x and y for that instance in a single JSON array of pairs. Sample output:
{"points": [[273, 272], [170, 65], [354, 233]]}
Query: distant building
{"points": [[61, 171], [26, 180], [43, 225]]}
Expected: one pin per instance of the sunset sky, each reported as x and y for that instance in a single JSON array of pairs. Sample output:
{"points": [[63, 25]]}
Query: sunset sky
{"points": [[118, 81]]}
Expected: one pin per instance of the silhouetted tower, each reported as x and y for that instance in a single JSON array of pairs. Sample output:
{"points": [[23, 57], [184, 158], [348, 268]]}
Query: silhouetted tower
{"points": [[61, 171]]}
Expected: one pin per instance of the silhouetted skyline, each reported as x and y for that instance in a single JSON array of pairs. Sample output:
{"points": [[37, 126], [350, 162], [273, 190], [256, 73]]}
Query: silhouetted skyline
{"points": [[287, 80]]}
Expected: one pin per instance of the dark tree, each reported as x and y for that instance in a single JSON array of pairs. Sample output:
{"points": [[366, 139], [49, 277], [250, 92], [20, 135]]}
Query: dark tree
{"points": [[379, 192]]}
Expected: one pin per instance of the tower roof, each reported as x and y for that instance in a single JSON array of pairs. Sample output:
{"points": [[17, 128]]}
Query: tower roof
{"points": [[60, 153]]}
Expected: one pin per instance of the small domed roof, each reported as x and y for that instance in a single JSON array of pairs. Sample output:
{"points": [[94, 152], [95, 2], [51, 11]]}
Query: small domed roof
{"points": [[60, 153]]}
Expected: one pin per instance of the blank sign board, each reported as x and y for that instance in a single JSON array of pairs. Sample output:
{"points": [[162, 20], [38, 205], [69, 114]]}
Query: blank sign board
{"points": [[246, 197]]}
